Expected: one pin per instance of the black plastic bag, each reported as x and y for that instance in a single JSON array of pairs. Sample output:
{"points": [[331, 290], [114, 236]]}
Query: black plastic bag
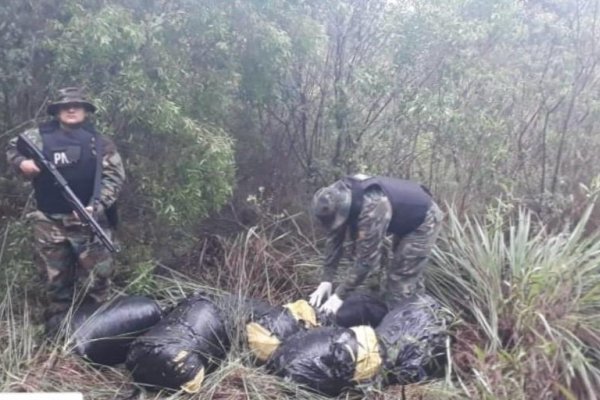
{"points": [[414, 336], [103, 332], [269, 330], [328, 359], [179, 350], [361, 309]]}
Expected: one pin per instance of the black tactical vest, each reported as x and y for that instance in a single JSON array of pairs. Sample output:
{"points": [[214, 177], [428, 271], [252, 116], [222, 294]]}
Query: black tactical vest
{"points": [[410, 201], [71, 152]]}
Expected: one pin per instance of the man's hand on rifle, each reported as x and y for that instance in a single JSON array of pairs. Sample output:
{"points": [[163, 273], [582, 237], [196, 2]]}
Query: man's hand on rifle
{"points": [[29, 168], [88, 209], [92, 212]]}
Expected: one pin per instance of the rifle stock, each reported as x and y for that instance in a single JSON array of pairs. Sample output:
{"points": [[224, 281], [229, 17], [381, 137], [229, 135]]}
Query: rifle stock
{"points": [[68, 194]]}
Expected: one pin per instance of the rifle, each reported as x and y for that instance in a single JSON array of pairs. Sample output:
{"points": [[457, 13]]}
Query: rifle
{"points": [[68, 194]]}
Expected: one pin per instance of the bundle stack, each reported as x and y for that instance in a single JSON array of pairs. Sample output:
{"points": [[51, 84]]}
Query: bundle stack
{"points": [[409, 345]]}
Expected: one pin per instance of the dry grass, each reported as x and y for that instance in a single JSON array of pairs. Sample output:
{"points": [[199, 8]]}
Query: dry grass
{"points": [[271, 254], [528, 301]]}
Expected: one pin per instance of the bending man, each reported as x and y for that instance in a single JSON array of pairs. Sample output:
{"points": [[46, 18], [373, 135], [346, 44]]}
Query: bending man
{"points": [[368, 208]]}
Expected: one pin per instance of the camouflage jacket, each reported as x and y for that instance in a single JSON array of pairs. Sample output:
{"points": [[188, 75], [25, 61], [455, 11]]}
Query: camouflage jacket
{"points": [[113, 172], [373, 222]]}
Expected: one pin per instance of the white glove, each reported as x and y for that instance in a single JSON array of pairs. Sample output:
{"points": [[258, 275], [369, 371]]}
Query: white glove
{"points": [[332, 305], [321, 294]]}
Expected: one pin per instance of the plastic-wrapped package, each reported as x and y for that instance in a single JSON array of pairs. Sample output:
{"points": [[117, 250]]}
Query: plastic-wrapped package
{"points": [[269, 330], [103, 332], [414, 336], [178, 351], [329, 359], [361, 309]]}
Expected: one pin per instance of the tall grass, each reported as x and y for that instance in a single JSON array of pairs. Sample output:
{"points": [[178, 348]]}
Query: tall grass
{"points": [[260, 263], [530, 303], [265, 261], [29, 363]]}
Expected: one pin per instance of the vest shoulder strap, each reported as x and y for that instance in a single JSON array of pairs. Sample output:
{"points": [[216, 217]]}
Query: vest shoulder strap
{"points": [[356, 204], [48, 127]]}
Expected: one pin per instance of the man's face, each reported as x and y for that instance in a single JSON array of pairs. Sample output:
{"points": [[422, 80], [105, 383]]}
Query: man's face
{"points": [[71, 114]]}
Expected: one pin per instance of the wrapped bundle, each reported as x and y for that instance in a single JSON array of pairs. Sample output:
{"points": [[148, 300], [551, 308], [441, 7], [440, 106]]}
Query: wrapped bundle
{"points": [[329, 359], [414, 336], [103, 332], [269, 330], [178, 351], [361, 309]]}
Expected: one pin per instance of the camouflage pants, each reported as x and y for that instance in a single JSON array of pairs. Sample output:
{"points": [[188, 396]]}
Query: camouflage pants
{"points": [[410, 256], [70, 260]]}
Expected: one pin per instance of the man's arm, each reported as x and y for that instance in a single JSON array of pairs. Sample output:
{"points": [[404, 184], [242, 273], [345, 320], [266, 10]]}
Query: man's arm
{"points": [[14, 157], [334, 248], [113, 174], [373, 222]]}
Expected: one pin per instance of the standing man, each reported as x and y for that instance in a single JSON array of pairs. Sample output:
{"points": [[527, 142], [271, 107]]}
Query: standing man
{"points": [[66, 252], [368, 208]]}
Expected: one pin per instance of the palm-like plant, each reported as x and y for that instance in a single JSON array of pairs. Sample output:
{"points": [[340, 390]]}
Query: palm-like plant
{"points": [[529, 302]]}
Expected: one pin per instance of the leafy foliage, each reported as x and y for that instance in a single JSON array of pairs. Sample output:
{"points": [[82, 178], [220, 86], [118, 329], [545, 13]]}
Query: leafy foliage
{"points": [[529, 301], [479, 99], [183, 167]]}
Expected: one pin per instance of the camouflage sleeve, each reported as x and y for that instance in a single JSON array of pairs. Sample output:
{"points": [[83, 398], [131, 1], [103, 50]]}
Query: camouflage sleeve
{"points": [[373, 222], [334, 248], [13, 156], [113, 173]]}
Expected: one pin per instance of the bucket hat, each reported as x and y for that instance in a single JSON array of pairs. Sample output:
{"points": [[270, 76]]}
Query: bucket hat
{"points": [[70, 95], [331, 205]]}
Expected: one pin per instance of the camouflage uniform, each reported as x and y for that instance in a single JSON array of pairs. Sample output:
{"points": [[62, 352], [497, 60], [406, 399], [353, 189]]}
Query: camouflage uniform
{"points": [[404, 274], [65, 254]]}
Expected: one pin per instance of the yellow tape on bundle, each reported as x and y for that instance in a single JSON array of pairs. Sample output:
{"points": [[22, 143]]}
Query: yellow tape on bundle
{"points": [[367, 357], [303, 311], [181, 356], [195, 384], [261, 341]]}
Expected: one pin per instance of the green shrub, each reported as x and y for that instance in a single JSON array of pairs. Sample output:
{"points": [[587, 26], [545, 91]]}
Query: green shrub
{"points": [[530, 302]]}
